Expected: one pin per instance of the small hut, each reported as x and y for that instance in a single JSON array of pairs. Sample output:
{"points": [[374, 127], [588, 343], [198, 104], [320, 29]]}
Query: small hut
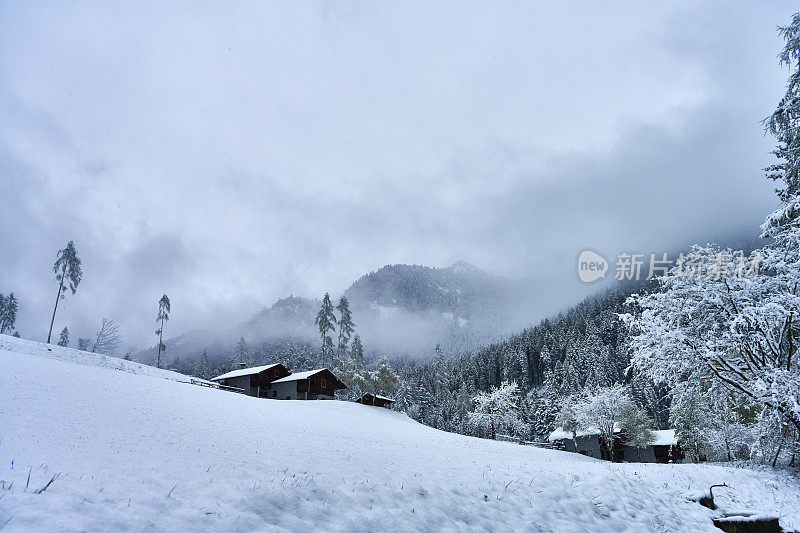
{"points": [[376, 400]]}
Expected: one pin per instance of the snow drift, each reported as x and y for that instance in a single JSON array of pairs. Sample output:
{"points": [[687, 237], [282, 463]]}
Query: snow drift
{"points": [[130, 447]]}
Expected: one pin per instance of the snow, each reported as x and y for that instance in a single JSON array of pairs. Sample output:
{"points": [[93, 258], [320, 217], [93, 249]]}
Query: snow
{"points": [[665, 437], [137, 448], [299, 375], [560, 433], [244, 372]]}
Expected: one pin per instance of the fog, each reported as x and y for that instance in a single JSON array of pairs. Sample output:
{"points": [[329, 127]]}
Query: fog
{"points": [[232, 155]]}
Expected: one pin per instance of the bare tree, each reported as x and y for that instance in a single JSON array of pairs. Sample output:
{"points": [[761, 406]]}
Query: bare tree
{"points": [[108, 337]]}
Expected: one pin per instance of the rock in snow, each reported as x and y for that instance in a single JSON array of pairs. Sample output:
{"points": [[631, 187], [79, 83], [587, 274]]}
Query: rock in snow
{"points": [[134, 448]]}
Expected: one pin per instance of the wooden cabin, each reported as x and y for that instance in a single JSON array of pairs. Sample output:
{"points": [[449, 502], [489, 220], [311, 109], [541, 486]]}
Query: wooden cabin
{"points": [[319, 384], [254, 381], [377, 401], [664, 448]]}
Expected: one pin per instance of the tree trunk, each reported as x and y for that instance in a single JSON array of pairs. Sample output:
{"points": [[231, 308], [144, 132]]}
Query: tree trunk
{"points": [[58, 297], [494, 436], [160, 344], [777, 454]]}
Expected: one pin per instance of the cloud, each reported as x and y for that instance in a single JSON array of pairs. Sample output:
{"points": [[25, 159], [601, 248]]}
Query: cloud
{"points": [[232, 155]]}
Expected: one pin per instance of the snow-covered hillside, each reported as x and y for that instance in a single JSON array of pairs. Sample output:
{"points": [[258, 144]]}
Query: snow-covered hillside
{"points": [[134, 448]]}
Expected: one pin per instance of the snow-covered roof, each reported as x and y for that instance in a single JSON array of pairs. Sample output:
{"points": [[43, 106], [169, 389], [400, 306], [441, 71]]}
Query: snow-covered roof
{"points": [[665, 437], [378, 397], [244, 372], [383, 398], [559, 434], [300, 375]]}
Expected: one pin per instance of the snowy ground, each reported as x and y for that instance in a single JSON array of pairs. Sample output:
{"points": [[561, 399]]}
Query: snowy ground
{"points": [[133, 448]]}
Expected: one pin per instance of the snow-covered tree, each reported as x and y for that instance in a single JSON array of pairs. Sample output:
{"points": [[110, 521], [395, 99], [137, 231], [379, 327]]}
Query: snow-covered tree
{"points": [[636, 427], [8, 312], [731, 318], [202, 367], [63, 338], [67, 269], [692, 418], [385, 378], [346, 326], [107, 339], [163, 316], [498, 410], [326, 322], [604, 410], [242, 354], [357, 351]]}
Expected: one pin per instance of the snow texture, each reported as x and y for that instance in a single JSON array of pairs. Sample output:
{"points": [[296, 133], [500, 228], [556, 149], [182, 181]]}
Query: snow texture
{"points": [[133, 448]]}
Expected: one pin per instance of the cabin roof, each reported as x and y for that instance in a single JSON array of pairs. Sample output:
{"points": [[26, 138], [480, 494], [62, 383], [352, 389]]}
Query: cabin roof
{"points": [[665, 437], [378, 397], [297, 376], [560, 433], [245, 372]]}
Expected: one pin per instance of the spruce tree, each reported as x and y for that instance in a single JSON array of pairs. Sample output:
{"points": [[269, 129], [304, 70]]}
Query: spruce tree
{"points": [[8, 312], [163, 316], [242, 354], [346, 326], [203, 366], [357, 352], [67, 269], [326, 321], [63, 339]]}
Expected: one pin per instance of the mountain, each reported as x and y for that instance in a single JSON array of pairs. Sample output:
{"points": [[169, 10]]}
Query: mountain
{"points": [[399, 311], [408, 309], [101, 444]]}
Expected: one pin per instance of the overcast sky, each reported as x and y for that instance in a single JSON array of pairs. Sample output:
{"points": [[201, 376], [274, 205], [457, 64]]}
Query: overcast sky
{"points": [[233, 154]]}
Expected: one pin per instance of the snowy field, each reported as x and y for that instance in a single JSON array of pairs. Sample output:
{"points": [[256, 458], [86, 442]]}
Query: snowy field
{"points": [[133, 448]]}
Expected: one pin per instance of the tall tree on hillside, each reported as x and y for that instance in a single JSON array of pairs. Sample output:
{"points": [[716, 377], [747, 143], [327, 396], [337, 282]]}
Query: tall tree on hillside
{"points": [[163, 316], [8, 312], [346, 326], [67, 269], [326, 321], [63, 338]]}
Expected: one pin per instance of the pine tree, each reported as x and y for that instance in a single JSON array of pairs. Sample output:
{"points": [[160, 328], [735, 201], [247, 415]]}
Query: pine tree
{"points": [[203, 366], [357, 352], [326, 321], [163, 316], [67, 269], [346, 326], [385, 378], [63, 339], [440, 372], [242, 354], [8, 312]]}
